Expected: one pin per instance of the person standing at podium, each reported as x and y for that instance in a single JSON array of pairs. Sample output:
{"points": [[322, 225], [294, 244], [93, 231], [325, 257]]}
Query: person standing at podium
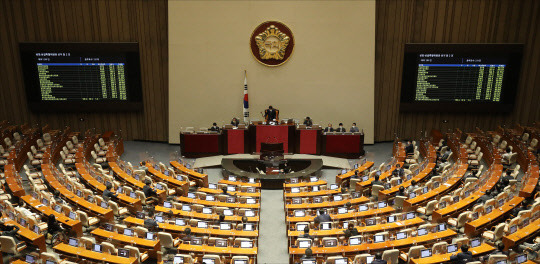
{"points": [[270, 114], [235, 122], [341, 128], [308, 122]]}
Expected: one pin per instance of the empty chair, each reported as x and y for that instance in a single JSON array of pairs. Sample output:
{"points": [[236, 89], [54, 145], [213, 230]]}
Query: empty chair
{"points": [[216, 259], [460, 221], [108, 248], [398, 202], [167, 242], [240, 258], [413, 253], [9, 246], [66, 159], [391, 256], [135, 253], [187, 259], [117, 211], [86, 221], [97, 159], [428, 210], [496, 258], [361, 258], [35, 162]]}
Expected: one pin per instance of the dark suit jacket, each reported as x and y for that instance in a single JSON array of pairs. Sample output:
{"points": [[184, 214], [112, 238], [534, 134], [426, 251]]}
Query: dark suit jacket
{"points": [[341, 129], [308, 122], [409, 149], [461, 258], [324, 218], [379, 261], [235, 123], [214, 128], [270, 114], [328, 129]]}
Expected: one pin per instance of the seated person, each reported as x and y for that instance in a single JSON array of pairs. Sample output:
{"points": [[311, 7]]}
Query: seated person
{"points": [[506, 156], [57, 198], [532, 250], [52, 225], [308, 122], [328, 128], [483, 199], [409, 148], [412, 186], [376, 181], [471, 175], [398, 171], [214, 127], [341, 128], [187, 235], [378, 259], [507, 176], [323, 216], [108, 193], [354, 128], [306, 233], [9, 230], [149, 192], [401, 191], [351, 230], [235, 122], [308, 254], [150, 223], [463, 257], [499, 251]]}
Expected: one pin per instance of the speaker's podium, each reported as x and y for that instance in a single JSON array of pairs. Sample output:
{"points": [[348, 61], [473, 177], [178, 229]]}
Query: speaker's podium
{"points": [[282, 132]]}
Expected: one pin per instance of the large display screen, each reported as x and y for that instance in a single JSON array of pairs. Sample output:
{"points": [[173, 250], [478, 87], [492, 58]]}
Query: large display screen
{"points": [[460, 77], [82, 76]]}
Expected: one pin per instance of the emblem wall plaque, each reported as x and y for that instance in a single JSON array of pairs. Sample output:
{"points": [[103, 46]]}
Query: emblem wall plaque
{"points": [[272, 43]]}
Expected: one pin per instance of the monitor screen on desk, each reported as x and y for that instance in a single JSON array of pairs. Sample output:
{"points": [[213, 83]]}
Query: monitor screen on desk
{"points": [[202, 224], [370, 222], [250, 189], [73, 242], [309, 261], [133, 195], [441, 227], [299, 213], [96, 248], [362, 208], [501, 202], [489, 209], [342, 210], [304, 244], [228, 212], [159, 186], [341, 261], [317, 199], [513, 229], [412, 195], [58, 208], [456, 199], [475, 215], [326, 226], [410, 215], [225, 226], [343, 171], [159, 219], [180, 222], [248, 227], [231, 199], [313, 179], [425, 190], [212, 186], [501, 262], [207, 210], [167, 204], [196, 241], [451, 248], [338, 198], [365, 178], [128, 232], [191, 195], [401, 235], [232, 178], [208, 261], [353, 241], [295, 190], [37, 230], [521, 259], [381, 205], [109, 227], [315, 189], [210, 198], [425, 253], [150, 236], [249, 213], [250, 201], [334, 186], [186, 208], [231, 188], [422, 231], [391, 219], [104, 205], [30, 259], [178, 260], [378, 239], [221, 243], [370, 259], [246, 244], [475, 242]]}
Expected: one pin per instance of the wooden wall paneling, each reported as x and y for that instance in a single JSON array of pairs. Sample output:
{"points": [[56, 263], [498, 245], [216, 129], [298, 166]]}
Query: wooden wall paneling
{"points": [[89, 21]]}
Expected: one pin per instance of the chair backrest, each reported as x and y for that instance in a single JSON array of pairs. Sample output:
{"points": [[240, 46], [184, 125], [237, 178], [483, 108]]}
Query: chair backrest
{"points": [[166, 240], [461, 241], [216, 258], [439, 248], [391, 256], [50, 256], [430, 206], [498, 233], [463, 218], [375, 189], [361, 258], [8, 245], [188, 259], [398, 201], [133, 252], [414, 252], [494, 258], [108, 248]]}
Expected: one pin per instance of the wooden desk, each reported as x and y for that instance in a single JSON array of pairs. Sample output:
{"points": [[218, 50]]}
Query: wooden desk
{"points": [[528, 188], [175, 229], [83, 253], [385, 194], [454, 209], [19, 262], [133, 204], [361, 229], [37, 240], [441, 258], [521, 234], [216, 203], [193, 175], [474, 227], [232, 218], [451, 183], [239, 183], [132, 181], [361, 199], [217, 250], [342, 145], [365, 247], [152, 246], [13, 180], [349, 174], [367, 184], [352, 215], [304, 184], [105, 215], [195, 145], [168, 179], [311, 194], [216, 192], [73, 225]]}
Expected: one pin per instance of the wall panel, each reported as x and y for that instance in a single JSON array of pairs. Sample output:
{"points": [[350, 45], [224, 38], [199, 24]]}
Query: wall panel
{"points": [[452, 21], [89, 21]]}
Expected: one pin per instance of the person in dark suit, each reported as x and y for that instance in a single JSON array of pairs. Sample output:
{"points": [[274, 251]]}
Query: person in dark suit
{"points": [[235, 122], [270, 114], [398, 171], [483, 199], [306, 233], [378, 259], [341, 128], [323, 217], [376, 181], [409, 149], [308, 254], [507, 176], [214, 127], [401, 191], [354, 128], [499, 251], [329, 128], [308, 122], [463, 257]]}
